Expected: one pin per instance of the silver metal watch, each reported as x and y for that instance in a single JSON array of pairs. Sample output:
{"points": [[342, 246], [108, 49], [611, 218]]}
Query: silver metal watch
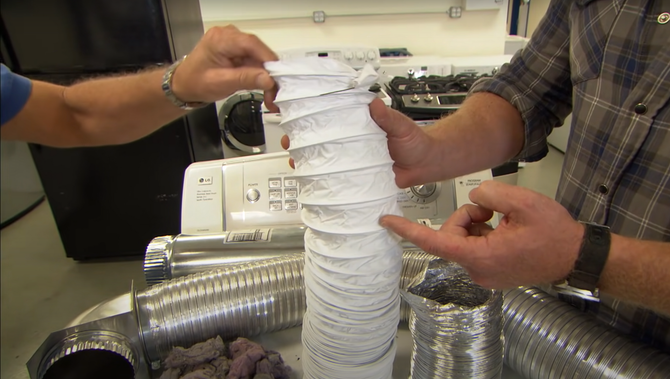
{"points": [[167, 89]]}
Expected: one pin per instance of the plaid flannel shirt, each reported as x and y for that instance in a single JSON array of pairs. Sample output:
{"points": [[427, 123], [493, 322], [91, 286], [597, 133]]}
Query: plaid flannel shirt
{"points": [[607, 61]]}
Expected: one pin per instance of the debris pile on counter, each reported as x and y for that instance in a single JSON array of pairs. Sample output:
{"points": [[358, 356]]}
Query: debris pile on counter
{"points": [[213, 359]]}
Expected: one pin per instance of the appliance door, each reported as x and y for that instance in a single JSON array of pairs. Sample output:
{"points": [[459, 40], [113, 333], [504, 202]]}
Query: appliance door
{"points": [[241, 124], [83, 35], [111, 201], [20, 187]]}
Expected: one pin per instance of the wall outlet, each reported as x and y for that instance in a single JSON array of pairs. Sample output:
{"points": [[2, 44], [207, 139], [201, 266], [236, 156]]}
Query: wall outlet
{"points": [[455, 12], [319, 16]]}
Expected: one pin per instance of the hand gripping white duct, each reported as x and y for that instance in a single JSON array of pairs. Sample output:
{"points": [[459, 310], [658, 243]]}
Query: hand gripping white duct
{"points": [[352, 264]]}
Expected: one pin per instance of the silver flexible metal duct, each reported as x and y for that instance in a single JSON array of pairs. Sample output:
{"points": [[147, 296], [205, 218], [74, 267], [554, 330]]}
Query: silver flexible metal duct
{"points": [[456, 325], [169, 257], [200, 306], [248, 299], [546, 338], [244, 300], [525, 313]]}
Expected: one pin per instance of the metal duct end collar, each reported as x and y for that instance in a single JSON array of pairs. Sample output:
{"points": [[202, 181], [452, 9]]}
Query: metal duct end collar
{"points": [[156, 260], [92, 354]]}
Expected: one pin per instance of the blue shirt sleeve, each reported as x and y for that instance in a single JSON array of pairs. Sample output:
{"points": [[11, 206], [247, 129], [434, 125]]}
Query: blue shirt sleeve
{"points": [[14, 94]]}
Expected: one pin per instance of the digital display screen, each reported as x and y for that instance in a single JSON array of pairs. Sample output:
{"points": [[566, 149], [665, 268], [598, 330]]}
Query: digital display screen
{"points": [[451, 100]]}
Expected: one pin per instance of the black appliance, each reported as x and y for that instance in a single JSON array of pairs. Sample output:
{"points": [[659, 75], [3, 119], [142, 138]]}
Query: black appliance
{"points": [[430, 98], [111, 201]]}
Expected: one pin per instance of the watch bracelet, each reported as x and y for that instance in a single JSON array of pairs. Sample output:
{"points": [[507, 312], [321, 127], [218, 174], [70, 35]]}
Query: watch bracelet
{"points": [[166, 86]]}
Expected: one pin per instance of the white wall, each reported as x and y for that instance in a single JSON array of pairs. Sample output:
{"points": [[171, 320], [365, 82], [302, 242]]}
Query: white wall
{"points": [[535, 13], [423, 27]]}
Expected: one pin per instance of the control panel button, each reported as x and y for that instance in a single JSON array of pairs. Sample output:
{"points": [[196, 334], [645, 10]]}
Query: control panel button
{"points": [[274, 182], [291, 193], [275, 194], [291, 205], [276, 205], [290, 182], [253, 195]]}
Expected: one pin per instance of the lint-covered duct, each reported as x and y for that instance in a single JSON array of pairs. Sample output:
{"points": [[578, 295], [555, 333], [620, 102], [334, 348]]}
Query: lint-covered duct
{"points": [[352, 264]]}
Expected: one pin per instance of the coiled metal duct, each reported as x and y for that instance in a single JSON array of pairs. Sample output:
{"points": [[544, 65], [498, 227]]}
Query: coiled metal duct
{"points": [[546, 338], [538, 327], [242, 300], [456, 325], [247, 299]]}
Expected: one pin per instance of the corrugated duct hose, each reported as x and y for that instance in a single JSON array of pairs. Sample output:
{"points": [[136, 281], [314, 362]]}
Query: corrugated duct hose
{"points": [[544, 337]]}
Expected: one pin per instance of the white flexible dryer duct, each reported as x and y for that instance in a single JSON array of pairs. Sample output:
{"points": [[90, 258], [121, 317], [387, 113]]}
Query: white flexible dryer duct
{"points": [[352, 265]]}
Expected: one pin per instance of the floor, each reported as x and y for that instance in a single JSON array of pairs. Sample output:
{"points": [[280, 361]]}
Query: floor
{"points": [[42, 290]]}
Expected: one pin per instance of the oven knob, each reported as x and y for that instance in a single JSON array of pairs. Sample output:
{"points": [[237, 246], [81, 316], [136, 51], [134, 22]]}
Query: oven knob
{"points": [[424, 193], [371, 55], [253, 195], [348, 55], [360, 56], [428, 98], [415, 98]]}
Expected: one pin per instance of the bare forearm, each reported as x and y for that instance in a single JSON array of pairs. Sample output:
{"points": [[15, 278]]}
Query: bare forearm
{"points": [[118, 110], [638, 272], [485, 132]]}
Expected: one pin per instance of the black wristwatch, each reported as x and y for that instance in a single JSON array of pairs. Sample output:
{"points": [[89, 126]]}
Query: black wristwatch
{"points": [[583, 280]]}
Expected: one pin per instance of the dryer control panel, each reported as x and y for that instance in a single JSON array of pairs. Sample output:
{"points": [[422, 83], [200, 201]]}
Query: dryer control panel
{"points": [[354, 56], [260, 190]]}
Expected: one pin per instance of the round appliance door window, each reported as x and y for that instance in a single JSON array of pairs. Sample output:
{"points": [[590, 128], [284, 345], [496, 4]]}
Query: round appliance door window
{"points": [[241, 123]]}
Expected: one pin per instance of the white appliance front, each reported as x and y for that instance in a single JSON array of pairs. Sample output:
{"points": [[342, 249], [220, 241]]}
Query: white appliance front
{"points": [[415, 66], [260, 191], [488, 64]]}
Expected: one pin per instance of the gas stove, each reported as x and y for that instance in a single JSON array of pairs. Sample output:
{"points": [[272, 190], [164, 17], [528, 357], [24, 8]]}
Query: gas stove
{"points": [[430, 97]]}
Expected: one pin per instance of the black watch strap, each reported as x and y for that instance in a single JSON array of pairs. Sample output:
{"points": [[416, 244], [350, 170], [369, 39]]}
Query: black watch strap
{"points": [[592, 257]]}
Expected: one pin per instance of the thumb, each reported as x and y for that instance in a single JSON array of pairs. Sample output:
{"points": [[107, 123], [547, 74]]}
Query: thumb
{"points": [[497, 196], [443, 245], [247, 78], [394, 123]]}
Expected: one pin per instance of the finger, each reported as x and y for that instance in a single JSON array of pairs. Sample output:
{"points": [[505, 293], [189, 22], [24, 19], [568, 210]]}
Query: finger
{"points": [[501, 197], [269, 100], [238, 46], [480, 230], [250, 46], [285, 142], [443, 245], [394, 123], [465, 216], [255, 48], [245, 78]]}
